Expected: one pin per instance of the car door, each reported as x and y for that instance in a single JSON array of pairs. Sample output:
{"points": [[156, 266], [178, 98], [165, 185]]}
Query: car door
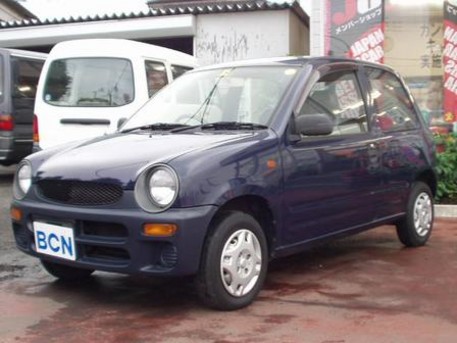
{"points": [[329, 179], [395, 120]]}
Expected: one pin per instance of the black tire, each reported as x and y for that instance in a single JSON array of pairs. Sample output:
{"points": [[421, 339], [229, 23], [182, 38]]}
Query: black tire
{"points": [[66, 273], [215, 282], [416, 227]]}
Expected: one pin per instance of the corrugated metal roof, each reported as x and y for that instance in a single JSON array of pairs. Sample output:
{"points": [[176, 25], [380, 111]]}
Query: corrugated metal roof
{"points": [[215, 8]]}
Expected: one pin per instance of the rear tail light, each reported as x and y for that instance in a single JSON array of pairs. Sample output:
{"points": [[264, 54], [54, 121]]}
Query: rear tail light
{"points": [[36, 136], [6, 122]]}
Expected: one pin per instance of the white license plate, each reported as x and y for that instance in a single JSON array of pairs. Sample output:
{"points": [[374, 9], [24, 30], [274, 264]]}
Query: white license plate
{"points": [[54, 240]]}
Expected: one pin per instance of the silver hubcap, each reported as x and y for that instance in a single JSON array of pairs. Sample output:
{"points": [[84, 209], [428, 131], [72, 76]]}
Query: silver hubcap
{"points": [[423, 214], [241, 262]]}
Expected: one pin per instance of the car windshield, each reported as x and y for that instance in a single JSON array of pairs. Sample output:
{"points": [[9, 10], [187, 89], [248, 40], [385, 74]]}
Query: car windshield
{"points": [[231, 95], [89, 82]]}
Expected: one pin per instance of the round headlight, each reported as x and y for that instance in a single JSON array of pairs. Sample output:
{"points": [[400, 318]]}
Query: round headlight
{"points": [[163, 187], [23, 180], [156, 188]]}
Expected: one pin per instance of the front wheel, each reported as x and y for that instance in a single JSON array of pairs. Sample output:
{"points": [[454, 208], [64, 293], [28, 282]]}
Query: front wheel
{"points": [[234, 264], [66, 273], [415, 229]]}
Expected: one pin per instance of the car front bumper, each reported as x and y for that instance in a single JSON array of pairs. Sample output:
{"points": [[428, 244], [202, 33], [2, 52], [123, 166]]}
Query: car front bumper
{"points": [[112, 239]]}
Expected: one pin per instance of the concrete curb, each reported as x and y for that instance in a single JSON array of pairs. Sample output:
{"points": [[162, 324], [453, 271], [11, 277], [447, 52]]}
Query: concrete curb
{"points": [[446, 211]]}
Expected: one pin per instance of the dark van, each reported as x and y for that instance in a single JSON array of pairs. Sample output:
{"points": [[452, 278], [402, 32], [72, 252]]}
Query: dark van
{"points": [[19, 74]]}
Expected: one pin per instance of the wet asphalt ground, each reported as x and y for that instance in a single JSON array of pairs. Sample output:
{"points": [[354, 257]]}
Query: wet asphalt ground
{"points": [[366, 288]]}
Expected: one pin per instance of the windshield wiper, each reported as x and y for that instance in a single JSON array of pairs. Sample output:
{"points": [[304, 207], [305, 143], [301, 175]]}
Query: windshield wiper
{"points": [[223, 125], [157, 127], [232, 125]]}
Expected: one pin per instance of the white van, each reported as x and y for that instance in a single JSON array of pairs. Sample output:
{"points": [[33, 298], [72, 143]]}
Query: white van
{"points": [[87, 86]]}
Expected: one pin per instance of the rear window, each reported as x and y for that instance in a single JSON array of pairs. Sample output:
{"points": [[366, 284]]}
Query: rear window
{"points": [[89, 82]]}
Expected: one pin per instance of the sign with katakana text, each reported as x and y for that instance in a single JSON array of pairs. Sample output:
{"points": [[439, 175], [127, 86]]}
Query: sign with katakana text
{"points": [[355, 28], [450, 61]]}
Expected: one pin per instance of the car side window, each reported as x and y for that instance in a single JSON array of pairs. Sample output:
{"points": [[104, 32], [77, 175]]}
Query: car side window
{"points": [[156, 76], [393, 108], [337, 95]]}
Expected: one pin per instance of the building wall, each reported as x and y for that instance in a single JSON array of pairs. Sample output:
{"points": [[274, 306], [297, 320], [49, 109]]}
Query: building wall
{"points": [[298, 36], [317, 28], [237, 36], [411, 40]]}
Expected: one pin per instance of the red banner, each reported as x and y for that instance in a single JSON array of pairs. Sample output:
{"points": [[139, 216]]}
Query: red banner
{"points": [[355, 28], [450, 61]]}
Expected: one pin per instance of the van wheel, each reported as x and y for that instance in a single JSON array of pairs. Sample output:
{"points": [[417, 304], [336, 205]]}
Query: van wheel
{"points": [[66, 273], [415, 229], [234, 263]]}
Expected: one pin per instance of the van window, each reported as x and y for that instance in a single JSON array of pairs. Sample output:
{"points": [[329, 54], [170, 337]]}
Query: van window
{"points": [[26, 73], [156, 75], [89, 82], [177, 71]]}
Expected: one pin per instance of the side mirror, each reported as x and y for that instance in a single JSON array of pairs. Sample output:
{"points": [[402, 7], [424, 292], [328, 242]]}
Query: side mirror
{"points": [[318, 124], [121, 122]]}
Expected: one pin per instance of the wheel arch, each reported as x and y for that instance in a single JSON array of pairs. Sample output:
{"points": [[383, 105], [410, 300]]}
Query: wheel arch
{"points": [[254, 205], [429, 178]]}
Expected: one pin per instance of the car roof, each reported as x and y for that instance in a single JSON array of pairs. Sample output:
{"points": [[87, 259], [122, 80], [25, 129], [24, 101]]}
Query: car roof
{"points": [[295, 61]]}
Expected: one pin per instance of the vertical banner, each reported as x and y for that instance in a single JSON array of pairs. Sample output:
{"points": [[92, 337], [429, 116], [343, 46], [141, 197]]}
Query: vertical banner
{"points": [[355, 28], [450, 61]]}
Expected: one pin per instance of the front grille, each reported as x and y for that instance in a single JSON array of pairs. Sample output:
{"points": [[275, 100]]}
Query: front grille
{"points": [[83, 193], [104, 230], [106, 254]]}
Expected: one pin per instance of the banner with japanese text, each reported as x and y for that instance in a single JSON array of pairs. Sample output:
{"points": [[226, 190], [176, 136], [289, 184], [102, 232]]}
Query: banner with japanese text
{"points": [[450, 61], [355, 28]]}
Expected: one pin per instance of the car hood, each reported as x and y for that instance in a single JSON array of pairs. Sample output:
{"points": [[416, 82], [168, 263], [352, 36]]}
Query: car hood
{"points": [[119, 158]]}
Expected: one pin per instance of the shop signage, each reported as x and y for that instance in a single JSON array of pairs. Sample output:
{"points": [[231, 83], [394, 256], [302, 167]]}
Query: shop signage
{"points": [[355, 28], [450, 61]]}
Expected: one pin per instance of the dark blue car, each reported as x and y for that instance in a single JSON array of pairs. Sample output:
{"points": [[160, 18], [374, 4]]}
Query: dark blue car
{"points": [[229, 167]]}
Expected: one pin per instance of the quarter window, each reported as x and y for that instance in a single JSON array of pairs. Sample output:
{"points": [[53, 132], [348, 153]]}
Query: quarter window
{"points": [[177, 71], [393, 108], [338, 96]]}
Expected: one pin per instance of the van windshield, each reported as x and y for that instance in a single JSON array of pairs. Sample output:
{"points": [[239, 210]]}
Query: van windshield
{"points": [[89, 82]]}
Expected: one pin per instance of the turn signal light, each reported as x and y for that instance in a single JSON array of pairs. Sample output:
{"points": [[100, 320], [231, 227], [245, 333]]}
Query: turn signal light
{"points": [[16, 214], [159, 230]]}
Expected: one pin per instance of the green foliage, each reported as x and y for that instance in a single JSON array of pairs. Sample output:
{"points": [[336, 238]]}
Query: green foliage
{"points": [[447, 167]]}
